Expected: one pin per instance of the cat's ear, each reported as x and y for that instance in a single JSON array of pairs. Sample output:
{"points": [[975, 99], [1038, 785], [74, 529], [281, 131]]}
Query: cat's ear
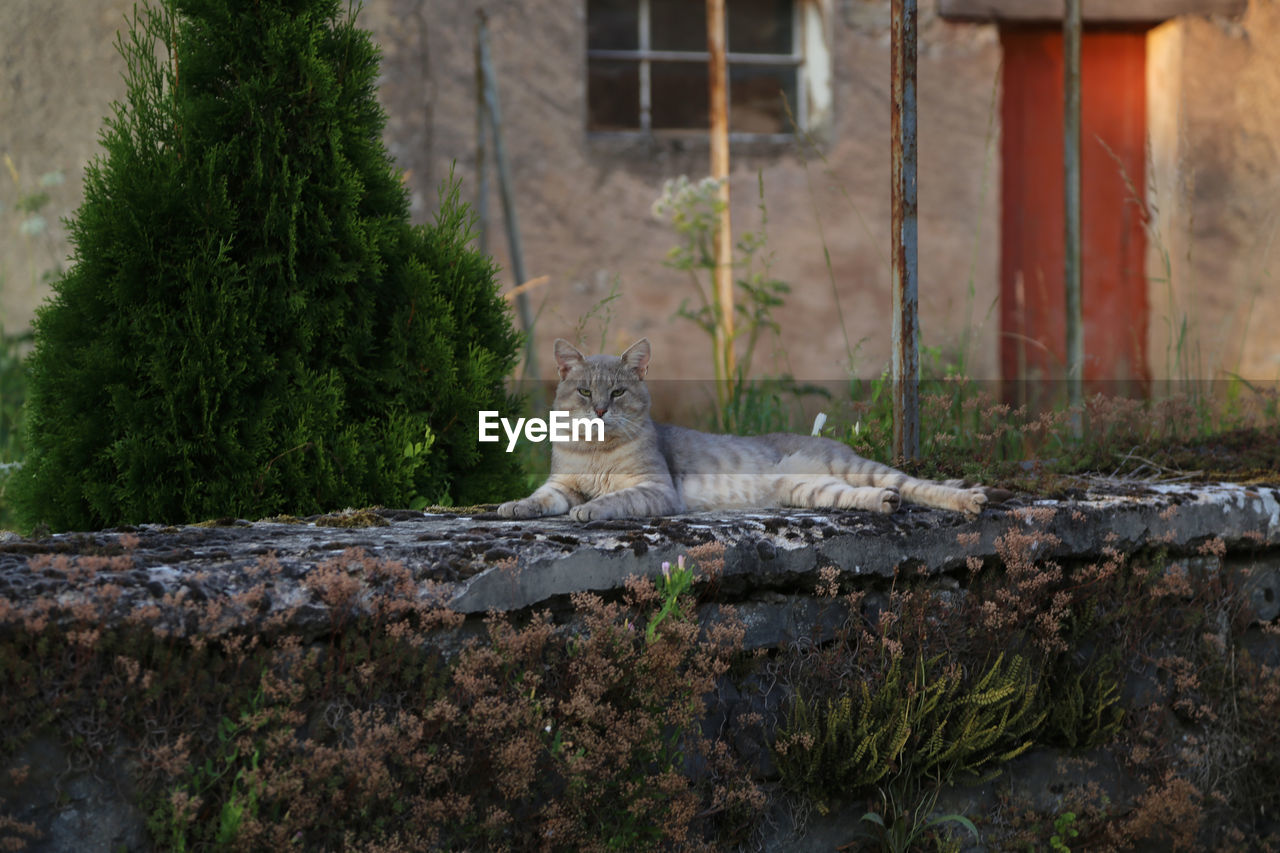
{"points": [[637, 357], [567, 357]]}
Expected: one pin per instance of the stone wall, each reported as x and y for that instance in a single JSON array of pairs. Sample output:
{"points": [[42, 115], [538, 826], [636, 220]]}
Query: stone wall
{"points": [[476, 563], [276, 578]]}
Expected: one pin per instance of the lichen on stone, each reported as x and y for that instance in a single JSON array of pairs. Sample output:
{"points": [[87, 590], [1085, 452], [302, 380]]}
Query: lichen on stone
{"points": [[353, 518]]}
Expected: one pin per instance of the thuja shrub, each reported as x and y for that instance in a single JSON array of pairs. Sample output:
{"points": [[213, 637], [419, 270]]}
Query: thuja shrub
{"points": [[251, 325], [530, 737]]}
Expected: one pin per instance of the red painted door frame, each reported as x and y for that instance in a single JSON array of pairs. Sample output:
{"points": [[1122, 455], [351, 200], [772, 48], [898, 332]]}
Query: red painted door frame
{"points": [[1113, 178]]}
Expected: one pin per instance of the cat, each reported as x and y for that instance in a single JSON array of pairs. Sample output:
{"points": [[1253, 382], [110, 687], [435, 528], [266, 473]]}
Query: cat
{"points": [[645, 469]]}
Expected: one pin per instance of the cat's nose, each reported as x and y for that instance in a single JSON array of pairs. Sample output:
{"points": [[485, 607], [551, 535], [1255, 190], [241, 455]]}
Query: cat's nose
{"points": [[600, 410]]}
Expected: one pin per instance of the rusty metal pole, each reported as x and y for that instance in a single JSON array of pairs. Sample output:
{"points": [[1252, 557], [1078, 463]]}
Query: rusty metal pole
{"points": [[1072, 269], [717, 73], [905, 359]]}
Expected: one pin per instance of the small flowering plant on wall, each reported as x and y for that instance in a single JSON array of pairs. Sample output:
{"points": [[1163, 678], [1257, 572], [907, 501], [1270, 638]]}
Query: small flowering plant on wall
{"points": [[672, 584]]}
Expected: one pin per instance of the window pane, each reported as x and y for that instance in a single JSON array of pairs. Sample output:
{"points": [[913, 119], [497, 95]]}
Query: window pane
{"points": [[613, 25], [678, 25], [613, 95], [679, 95], [755, 98], [759, 26]]}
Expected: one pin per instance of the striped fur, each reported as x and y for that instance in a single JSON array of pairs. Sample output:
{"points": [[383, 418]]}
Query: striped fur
{"points": [[646, 469]]}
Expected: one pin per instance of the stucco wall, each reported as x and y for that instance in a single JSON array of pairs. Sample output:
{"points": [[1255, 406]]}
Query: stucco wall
{"points": [[1215, 88], [584, 205]]}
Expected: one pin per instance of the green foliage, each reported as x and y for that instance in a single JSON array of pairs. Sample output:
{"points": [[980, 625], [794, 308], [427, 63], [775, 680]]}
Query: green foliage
{"points": [[911, 823], [251, 325], [965, 430], [1082, 682], [13, 392], [926, 720], [773, 404], [672, 584], [226, 777], [419, 452], [968, 429], [1079, 632], [1082, 704], [1064, 829]]}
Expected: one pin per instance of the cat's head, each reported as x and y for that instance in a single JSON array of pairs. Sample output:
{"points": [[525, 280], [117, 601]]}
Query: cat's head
{"points": [[608, 387]]}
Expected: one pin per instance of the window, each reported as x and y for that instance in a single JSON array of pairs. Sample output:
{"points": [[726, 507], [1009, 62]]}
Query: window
{"points": [[647, 66]]}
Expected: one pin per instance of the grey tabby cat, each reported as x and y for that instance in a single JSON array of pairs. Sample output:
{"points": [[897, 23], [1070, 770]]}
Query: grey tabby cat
{"points": [[644, 469]]}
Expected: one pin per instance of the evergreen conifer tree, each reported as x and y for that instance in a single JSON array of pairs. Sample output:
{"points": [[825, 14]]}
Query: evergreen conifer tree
{"points": [[251, 325]]}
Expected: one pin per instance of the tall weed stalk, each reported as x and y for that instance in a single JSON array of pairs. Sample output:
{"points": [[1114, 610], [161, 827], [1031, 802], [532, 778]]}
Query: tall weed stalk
{"points": [[693, 210]]}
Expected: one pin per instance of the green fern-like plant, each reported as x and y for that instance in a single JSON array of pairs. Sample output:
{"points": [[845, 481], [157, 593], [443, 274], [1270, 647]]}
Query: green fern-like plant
{"points": [[844, 744], [989, 722], [930, 724], [1081, 695], [1082, 704]]}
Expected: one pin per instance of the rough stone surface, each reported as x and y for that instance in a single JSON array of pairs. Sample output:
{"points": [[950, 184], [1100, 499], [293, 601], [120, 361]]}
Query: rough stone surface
{"points": [[475, 562], [74, 807]]}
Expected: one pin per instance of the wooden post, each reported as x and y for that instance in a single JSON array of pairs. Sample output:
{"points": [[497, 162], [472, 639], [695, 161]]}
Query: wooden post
{"points": [[717, 72], [905, 358], [508, 195]]}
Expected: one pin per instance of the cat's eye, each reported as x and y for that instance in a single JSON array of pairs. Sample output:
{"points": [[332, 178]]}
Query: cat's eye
{"points": [[586, 392], [617, 392]]}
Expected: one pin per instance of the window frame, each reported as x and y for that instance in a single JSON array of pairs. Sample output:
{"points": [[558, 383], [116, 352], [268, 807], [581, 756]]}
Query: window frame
{"points": [[644, 55]]}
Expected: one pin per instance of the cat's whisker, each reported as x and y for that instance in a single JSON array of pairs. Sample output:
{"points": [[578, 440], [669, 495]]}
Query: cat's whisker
{"points": [[630, 427]]}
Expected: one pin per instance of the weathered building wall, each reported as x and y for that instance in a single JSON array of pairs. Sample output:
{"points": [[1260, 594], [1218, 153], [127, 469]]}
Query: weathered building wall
{"points": [[584, 204], [1215, 145]]}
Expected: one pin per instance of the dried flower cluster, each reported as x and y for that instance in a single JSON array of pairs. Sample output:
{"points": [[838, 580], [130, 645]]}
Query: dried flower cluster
{"points": [[386, 730], [530, 736]]}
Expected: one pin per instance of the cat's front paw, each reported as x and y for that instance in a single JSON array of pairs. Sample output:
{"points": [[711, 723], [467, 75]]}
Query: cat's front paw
{"points": [[590, 512], [520, 509]]}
